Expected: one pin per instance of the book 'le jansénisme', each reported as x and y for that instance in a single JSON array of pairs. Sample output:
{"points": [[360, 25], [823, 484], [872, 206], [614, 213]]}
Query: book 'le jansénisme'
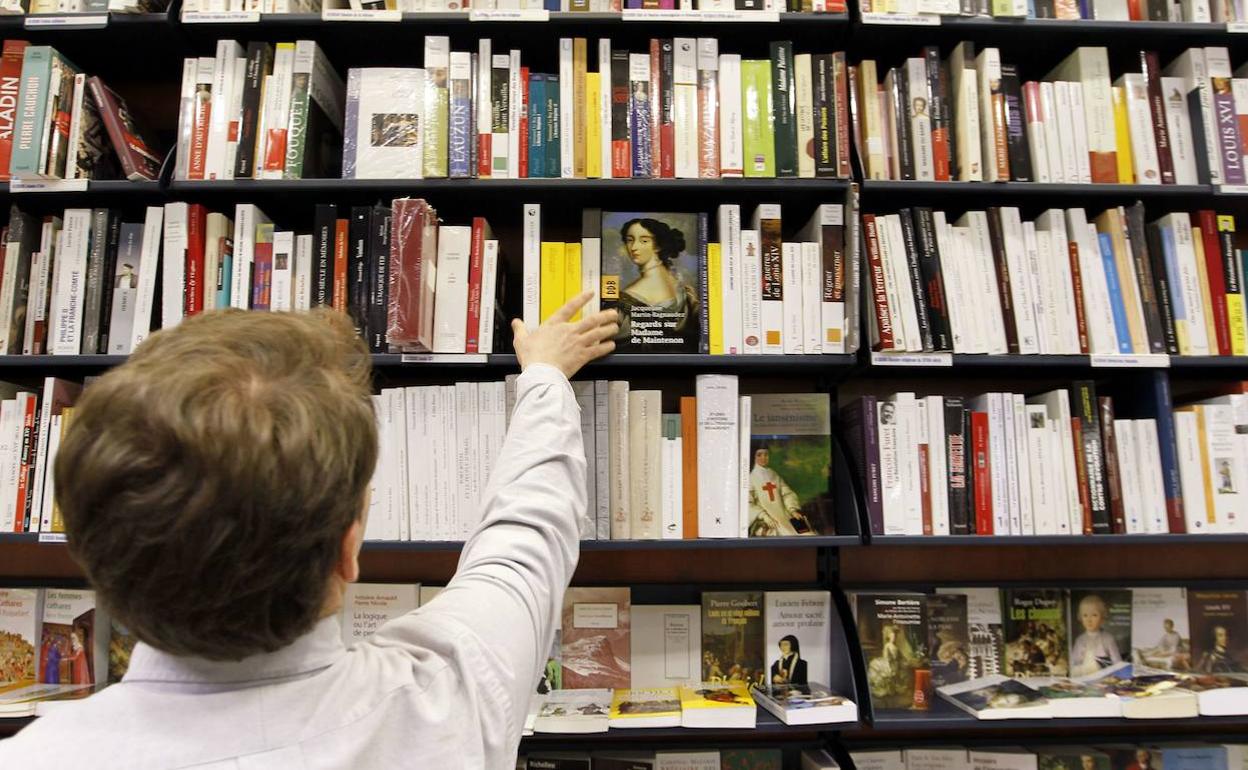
{"points": [[790, 442], [732, 637], [650, 275], [595, 644], [1035, 632], [892, 628]]}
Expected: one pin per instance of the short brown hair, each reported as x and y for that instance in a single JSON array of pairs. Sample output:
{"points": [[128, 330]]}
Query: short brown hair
{"points": [[207, 483]]}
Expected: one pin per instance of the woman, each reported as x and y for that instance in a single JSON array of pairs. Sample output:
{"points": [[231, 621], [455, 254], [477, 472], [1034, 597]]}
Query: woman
{"points": [[80, 671], [660, 293], [789, 668]]}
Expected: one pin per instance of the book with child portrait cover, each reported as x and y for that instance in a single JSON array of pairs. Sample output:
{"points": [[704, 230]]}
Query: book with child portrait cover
{"points": [[1100, 630]]}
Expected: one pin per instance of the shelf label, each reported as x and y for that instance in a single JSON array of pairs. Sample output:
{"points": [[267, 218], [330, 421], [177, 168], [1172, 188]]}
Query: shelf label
{"points": [[66, 20], [513, 14], [902, 19], [1233, 189], [445, 358], [651, 14], [911, 359], [351, 14], [47, 185], [1142, 361], [221, 17], [1237, 27], [53, 537]]}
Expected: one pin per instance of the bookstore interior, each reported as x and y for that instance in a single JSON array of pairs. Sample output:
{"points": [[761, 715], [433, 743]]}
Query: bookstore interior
{"points": [[925, 441]]}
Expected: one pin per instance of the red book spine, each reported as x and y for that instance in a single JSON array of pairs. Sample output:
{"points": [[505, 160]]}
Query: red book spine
{"points": [[524, 123], [667, 111], [982, 475], [199, 138], [1217, 283], [22, 523], [1081, 320], [475, 255], [1081, 474], [10, 86], [196, 221], [340, 265], [883, 324], [656, 139], [484, 148], [925, 488]]}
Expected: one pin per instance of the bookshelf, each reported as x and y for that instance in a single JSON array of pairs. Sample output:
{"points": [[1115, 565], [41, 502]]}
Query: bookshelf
{"points": [[665, 570]]}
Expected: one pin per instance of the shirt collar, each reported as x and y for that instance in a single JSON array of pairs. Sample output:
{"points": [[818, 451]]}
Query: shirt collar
{"points": [[312, 652]]}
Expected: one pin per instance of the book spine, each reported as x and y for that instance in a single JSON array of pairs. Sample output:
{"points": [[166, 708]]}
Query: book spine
{"points": [[1163, 288], [459, 135], [1113, 471], [1151, 67], [1117, 302], [939, 107], [958, 469], [783, 88], [1016, 126], [618, 429], [981, 473], [94, 282], [842, 119], [914, 273], [1004, 291], [621, 139], [883, 329], [824, 116], [10, 98], [1217, 64], [933, 283], [639, 115], [259, 63], [689, 467], [1235, 313], [31, 111], [708, 114], [1163, 414], [656, 108], [1093, 457], [476, 256], [666, 156], [1140, 257]]}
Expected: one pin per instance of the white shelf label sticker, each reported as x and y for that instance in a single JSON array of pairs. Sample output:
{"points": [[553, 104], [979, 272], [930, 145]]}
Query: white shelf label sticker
{"points": [[445, 358], [911, 359], [221, 17], [1233, 189], [902, 19], [67, 20], [1142, 361], [1237, 27], [47, 185], [639, 14], [53, 537], [515, 14], [350, 14]]}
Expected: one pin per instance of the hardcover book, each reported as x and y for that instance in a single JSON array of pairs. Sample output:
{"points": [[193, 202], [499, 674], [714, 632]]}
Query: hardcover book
{"points": [[1159, 629], [892, 629], [1219, 626], [1100, 623], [732, 637], [1035, 632], [790, 443], [650, 264], [595, 645]]}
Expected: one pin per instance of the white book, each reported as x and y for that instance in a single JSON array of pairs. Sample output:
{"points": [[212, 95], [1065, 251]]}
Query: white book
{"points": [[451, 310], [731, 141], [54, 445], [810, 291], [379, 512], [276, 116], [954, 284], [77, 117], [745, 419], [618, 428], [1021, 291], [69, 284], [1052, 123], [718, 496], [937, 464], [1190, 68], [1179, 124], [1102, 339], [728, 221], [674, 527], [591, 259], [532, 264], [467, 456], [302, 291], [186, 116], [173, 264], [604, 105], [988, 65], [1149, 453], [1089, 65], [445, 497], [235, 116], [1129, 475], [489, 295], [1044, 500], [485, 117], [645, 440], [1144, 159], [967, 120], [124, 286], [567, 109], [685, 106], [882, 759], [147, 276], [1057, 411], [889, 276], [247, 218], [381, 140], [437, 59], [900, 268], [1184, 275], [601, 505], [513, 115], [1053, 222], [492, 429], [832, 330], [1199, 518], [282, 287], [906, 460], [420, 405], [1063, 102], [1083, 160], [1025, 464], [803, 75], [665, 644], [1043, 293], [1037, 137], [751, 293], [1013, 459], [792, 303], [8, 500], [985, 290]]}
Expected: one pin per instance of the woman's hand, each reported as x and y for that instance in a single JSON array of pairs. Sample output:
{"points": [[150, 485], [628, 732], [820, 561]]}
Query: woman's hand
{"points": [[564, 344]]}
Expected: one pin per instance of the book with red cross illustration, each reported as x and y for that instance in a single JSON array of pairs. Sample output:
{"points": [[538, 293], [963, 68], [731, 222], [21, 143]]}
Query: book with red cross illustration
{"points": [[790, 465]]}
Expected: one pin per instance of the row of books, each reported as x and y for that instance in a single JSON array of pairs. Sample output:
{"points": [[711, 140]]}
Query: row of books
{"points": [[913, 643], [37, 7], [1119, 756], [64, 124], [554, 6], [702, 759], [722, 465], [681, 288], [1200, 11], [991, 282], [970, 117]]}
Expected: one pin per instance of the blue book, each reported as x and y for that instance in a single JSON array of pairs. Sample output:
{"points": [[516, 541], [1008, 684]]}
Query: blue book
{"points": [[1116, 303], [551, 5], [460, 136], [225, 274], [1173, 275], [1193, 757], [537, 125], [639, 107], [552, 138]]}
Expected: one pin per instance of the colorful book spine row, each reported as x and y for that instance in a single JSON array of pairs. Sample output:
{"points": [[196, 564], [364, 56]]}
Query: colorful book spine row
{"points": [[553, 6], [1197, 11]]}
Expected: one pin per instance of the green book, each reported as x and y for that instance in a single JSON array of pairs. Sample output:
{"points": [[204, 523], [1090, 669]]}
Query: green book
{"points": [[757, 116], [437, 105], [297, 133], [784, 107], [32, 111]]}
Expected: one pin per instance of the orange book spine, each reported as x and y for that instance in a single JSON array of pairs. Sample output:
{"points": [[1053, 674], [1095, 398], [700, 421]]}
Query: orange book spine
{"points": [[689, 465], [340, 265]]}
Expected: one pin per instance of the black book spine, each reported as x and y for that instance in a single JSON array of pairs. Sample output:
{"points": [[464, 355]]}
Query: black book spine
{"points": [[95, 282], [959, 469], [900, 96], [1046, 9], [259, 64], [825, 116], [1015, 125], [1160, 280], [324, 222], [1158, 10], [621, 155], [378, 277], [110, 269], [937, 85], [916, 278], [1085, 408], [667, 107], [933, 279], [1003, 277], [1140, 248], [859, 428], [784, 107], [704, 317], [1197, 116], [357, 263]]}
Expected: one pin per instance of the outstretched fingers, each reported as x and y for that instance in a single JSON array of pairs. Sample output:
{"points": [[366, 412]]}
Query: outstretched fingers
{"points": [[570, 309]]}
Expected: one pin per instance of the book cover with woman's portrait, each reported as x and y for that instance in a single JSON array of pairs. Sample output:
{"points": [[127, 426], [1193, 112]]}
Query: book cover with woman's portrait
{"points": [[650, 276]]}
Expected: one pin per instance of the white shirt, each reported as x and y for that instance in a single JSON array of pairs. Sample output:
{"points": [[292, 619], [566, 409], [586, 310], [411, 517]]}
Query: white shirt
{"points": [[446, 686]]}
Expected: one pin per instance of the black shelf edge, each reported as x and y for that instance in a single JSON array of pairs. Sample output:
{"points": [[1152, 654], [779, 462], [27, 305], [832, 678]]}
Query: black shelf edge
{"points": [[708, 544], [94, 187], [936, 541], [1047, 361], [1209, 362], [1022, 189], [944, 717], [1089, 26], [557, 18], [412, 186], [58, 362], [700, 361], [765, 723]]}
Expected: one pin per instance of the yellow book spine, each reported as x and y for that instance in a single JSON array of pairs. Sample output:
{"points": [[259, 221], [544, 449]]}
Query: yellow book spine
{"points": [[580, 102], [58, 521], [552, 293], [1234, 297], [1206, 300], [593, 126], [714, 299], [572, 274], [1206, 468], [1122, 136]]}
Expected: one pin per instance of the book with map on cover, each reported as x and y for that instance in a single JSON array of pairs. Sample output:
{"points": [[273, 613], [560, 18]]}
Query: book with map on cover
{"points": [[595, 644]]}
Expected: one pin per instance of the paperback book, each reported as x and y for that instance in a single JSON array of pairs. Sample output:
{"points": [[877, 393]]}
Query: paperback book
{"points": [[1035, 632], [892, 629], [732, 637], [790, 443], [996, 697], [1159, 629], [1101, 629], [595, 644]]}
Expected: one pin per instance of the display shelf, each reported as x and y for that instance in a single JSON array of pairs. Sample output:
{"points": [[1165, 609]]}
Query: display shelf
{"points": [[709, 544], [1209, 362], [331, 186], [765, 724], [890, 189], [945, 717], [929, 541], [1089, 27], [95, 188], [281, 21]]}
